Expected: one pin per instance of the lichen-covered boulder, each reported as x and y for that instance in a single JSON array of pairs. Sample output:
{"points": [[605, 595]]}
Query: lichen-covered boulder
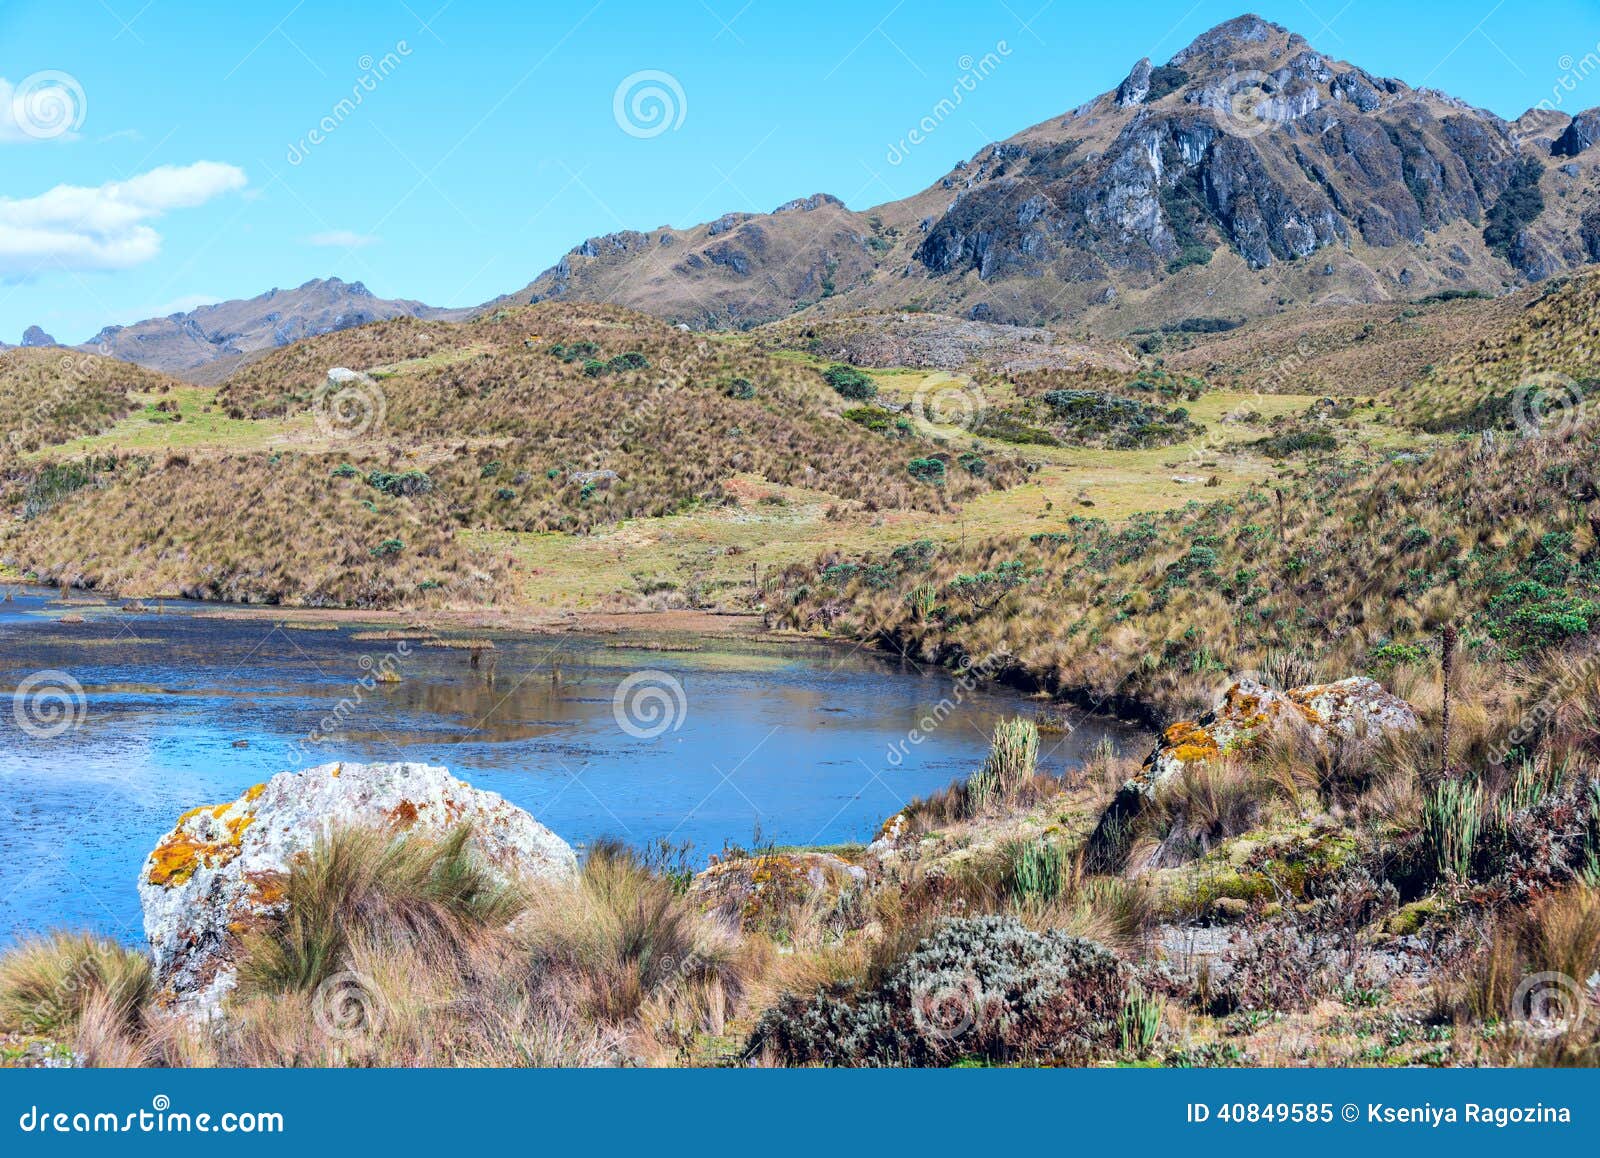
{"points": [[1243, 718], [1248, 711], [222, 868], [759, 891]]}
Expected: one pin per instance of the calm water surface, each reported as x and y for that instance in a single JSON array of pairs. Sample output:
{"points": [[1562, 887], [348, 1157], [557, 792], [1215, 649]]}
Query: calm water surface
{"points": [[793, 738]]}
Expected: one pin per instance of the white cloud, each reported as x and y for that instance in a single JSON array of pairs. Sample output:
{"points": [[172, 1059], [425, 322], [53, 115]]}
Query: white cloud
{"points": [[74, 227], [343, 239]]}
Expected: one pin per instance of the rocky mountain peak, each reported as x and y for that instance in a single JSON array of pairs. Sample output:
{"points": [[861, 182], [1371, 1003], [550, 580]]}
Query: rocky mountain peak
{"points": [[1246, 35], [34, 336]]}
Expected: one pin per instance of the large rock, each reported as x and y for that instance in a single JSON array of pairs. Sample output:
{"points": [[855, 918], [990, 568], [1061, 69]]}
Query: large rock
{"points": [[1243, 718], [1248, 711], [221, 870], [758, 891]]}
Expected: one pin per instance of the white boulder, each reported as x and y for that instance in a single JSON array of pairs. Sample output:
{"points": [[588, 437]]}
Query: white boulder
{"points": [[222, 868]]}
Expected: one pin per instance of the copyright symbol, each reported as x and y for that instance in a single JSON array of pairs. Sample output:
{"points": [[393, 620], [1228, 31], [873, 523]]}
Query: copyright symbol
{"points": [[1351, 1112]]}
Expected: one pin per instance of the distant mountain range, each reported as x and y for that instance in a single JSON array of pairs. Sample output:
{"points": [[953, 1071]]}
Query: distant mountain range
{"points": [[1248, 175], [208, 341]]}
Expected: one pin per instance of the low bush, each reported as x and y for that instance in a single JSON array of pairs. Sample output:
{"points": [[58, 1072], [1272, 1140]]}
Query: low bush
{"points": [[850, 382], [978, 988]]}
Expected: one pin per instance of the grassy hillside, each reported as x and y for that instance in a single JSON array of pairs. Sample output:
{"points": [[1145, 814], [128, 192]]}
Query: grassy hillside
{"points": [[49, 394], [245, 528], [458, 444], [1539, 359], [1351, 569]]}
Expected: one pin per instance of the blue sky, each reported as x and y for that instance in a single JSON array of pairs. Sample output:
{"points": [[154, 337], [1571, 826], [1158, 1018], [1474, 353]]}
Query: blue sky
{"points": [[489, 146]]}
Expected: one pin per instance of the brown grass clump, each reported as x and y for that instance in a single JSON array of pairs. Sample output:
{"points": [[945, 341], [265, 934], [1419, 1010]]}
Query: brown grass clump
{"points": [[56, 983], [1533, 976]]}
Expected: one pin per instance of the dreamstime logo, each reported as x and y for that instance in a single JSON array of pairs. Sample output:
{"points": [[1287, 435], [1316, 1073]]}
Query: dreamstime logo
{"points": [[349, 405], [373, 72], [48, 704], [1549, 1004], [376, 673], [972, 673], [1239, 106], [973, 72], [49, 104], [648, 103], [1574, 72], [948, 1012], [948, 403], [349, 1007], [1547, 404], [649, 704]]}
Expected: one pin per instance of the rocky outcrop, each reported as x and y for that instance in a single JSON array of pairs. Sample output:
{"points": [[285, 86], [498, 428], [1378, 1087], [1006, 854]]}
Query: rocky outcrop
{"points": [[757, 891], [35, 336], [1249, 711], [1246, 715], [1581, 134], [221, 870]]}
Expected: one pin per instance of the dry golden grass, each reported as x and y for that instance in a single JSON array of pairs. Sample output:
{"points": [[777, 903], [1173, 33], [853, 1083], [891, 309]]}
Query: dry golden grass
{"points": [[51, 394], [252, 529], [1353, 558]]}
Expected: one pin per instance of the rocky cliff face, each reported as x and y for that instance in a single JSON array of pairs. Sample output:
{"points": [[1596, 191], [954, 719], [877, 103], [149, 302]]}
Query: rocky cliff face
{"points": [[1248, 140], [1248, 172]]}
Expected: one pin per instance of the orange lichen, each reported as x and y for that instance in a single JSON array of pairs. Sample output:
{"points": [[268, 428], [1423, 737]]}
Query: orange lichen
{"points": [[183, 851], [1178, 732], [254, 794], [403, 815], [1189, 742]]}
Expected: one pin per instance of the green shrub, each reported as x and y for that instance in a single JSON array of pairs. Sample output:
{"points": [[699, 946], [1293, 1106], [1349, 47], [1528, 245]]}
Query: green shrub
{"points": [[1519, 206], [1292, 442], [55, 481], [850, 382], [1088, 417], [411, 482], [874, 418], [928, 470]]}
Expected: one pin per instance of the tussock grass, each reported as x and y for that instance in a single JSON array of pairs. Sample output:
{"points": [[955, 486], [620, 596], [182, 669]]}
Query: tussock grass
{"points": [[53, 984]]}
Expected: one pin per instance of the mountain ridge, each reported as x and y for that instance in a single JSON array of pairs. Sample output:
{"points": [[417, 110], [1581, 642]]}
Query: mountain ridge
{"points": [[1248, 153], [1248, 175], [215, 338]]}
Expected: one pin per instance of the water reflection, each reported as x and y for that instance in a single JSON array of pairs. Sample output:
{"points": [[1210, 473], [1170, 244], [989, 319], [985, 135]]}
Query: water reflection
{"points": [[183, 707]]}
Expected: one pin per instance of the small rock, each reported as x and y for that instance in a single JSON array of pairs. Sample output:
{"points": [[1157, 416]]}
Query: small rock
{"points": [[1227, 910]]}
